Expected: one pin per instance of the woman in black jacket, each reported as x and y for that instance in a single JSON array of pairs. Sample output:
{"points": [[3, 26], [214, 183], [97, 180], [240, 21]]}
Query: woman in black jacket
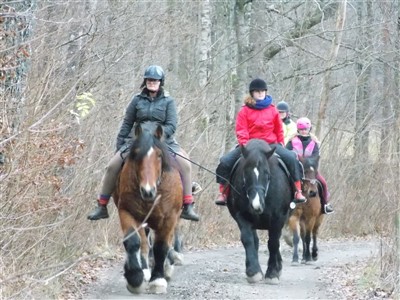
{"points": [[151, 107]]}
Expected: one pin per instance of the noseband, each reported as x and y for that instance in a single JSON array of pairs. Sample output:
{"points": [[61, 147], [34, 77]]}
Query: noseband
{"points": [[311, 181]]}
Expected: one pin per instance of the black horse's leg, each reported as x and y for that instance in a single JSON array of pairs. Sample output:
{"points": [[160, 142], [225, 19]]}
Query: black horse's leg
{"points": [[275, 260], [249, 239], [157, 283], [133, 267]]}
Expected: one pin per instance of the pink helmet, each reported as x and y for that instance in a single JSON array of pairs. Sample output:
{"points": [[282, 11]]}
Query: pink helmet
{"points": [[304, 123]]}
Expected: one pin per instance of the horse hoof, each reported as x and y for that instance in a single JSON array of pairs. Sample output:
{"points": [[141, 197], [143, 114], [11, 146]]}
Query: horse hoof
{"points": [[136, 290], [158, 286], [295, 263], [272, 281], [255, 278], [168, 271], [146, 274], [178, 258]]}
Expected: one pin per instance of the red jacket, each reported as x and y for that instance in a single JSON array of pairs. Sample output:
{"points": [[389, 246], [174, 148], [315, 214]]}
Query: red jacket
{"points": [[264, 124]]}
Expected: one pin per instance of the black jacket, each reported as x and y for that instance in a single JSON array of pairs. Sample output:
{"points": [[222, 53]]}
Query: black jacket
{"points": [[144, 110]]}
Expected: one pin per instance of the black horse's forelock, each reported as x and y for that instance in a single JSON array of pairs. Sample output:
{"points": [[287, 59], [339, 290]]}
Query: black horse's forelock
{"points": [[256, 152], [143, 143]]}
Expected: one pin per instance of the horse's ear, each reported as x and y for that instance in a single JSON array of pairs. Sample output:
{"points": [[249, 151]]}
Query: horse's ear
{"points": [[159, 132], [138, 130]]}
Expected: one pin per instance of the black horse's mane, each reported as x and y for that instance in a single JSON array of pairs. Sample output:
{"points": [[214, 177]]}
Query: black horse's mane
{"points": [[143, 142]]}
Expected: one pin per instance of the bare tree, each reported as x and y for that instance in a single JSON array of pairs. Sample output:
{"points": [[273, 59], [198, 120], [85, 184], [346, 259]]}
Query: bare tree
{"points": [[361, 139], [325, 94]]}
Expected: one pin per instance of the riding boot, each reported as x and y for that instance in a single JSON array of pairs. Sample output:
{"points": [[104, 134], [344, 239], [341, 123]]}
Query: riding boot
{"points": [[223, 195], [100, 212], [188, 212], [298, 195]]}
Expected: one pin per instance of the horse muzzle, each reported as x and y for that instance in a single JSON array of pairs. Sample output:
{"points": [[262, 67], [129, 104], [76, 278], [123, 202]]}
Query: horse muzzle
{"points": [[148, 194], [257, 204]]}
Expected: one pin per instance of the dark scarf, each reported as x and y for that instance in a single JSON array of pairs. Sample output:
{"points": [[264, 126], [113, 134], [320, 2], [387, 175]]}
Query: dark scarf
{"points": [[261, 104], [286, 120]]}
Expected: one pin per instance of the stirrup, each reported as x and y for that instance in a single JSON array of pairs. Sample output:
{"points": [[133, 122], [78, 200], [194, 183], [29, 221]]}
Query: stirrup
{"points": [[328, 212], [196, 188]]}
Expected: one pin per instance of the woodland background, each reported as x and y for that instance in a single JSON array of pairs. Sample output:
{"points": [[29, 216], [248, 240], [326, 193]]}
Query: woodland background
{"points": [[68, 69]]}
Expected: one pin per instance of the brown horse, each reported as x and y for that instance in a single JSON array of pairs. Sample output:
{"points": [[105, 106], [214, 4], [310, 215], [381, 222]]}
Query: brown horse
{"points": [[306, 218], [149, 192]]}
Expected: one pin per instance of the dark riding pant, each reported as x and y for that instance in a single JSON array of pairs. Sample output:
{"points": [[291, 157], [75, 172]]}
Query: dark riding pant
{"points": [[290, 160], [225, 166], [228, 160]]}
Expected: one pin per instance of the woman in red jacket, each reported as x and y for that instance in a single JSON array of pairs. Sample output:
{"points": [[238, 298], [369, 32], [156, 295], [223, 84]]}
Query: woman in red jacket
{"points": [[258, 119]]}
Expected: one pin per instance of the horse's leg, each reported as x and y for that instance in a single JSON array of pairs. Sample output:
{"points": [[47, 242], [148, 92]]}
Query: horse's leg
{"points": [[175, 255], [295, 228], [248, 236], [315, 235], [162, 244], [134, 261], [309, 230], [314, 254], [275, 260], [303, 239]]}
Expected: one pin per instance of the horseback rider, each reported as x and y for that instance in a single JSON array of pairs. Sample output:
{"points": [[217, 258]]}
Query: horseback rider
{"points": [[258, 119], [152, 106], [289, 126], [305, 144]]}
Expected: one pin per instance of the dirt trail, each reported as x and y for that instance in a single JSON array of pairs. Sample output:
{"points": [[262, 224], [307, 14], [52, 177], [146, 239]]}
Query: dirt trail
{"points": [[219, 274]]}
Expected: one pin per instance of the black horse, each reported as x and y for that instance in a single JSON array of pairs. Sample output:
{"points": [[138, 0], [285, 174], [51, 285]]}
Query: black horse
{"points": [[259, 199]]}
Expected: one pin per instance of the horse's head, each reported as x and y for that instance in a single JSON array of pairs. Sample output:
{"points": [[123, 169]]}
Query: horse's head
{"points": [[256, 172], [149, 156], [310, 183]]}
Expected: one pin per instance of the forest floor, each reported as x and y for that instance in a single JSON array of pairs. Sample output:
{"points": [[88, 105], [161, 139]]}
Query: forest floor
{"points": [[343, 271]]}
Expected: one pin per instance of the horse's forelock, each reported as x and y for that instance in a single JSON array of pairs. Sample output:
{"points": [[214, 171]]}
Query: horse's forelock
{"points": [[257, 150], [311, 162], [142, 144]]}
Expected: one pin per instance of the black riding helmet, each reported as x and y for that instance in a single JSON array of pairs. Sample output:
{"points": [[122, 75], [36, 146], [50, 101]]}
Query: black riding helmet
{"points": [[257, 84], [154, 72]]}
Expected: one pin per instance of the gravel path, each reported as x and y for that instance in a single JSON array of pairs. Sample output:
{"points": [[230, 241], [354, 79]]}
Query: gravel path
{"points": [[220, 274]]}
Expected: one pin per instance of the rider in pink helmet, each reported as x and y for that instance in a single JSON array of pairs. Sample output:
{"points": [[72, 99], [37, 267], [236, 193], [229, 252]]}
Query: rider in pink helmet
{"points": [[305, 144]]}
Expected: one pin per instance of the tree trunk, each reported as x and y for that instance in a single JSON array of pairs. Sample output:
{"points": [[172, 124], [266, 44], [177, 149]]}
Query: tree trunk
{"points": [[16, 30], [242, 41], [361, 138], [325, 95], [205, 43]]}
